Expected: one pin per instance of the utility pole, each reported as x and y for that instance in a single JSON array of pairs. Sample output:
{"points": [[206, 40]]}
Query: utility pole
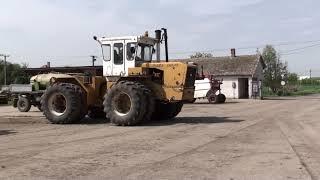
{"points": [[310, 73], [94, 59], [5, 67]]}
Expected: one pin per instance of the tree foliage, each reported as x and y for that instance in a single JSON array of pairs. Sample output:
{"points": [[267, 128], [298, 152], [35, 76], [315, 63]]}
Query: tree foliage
{"points": [[275, 70], [15, 74], [201, 55], [293, 79]]}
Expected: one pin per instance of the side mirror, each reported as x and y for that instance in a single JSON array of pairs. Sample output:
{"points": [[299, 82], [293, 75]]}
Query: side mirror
{"points": [[95, 38]]}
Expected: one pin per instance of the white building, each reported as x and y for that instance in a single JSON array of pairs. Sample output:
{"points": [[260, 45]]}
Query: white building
{"points": [[304, 77], [242, 75]]}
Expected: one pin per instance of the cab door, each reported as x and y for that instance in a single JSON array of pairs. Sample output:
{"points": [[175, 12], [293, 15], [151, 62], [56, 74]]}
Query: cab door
{"points": [[118, 57]]}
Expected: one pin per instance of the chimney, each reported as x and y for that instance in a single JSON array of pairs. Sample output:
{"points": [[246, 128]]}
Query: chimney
{"points": [[233, 52], [48, 64]]}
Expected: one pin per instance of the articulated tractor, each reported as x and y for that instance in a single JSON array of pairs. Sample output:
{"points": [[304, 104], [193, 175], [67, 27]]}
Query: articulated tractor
{"points": [[133, 89]]}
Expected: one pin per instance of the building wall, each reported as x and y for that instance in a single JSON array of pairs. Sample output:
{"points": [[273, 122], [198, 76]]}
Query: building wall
{"points": [[258, 75], [227, 89], [259, 72], [230, 92], [250, 87]]}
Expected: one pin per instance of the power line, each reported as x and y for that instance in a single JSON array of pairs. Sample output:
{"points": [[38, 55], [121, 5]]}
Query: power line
{"points": [[289, 52], [249, 47], [194, 51], [298, 50]]}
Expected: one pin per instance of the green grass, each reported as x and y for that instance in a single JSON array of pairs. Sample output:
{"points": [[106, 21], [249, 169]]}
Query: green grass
{"points": [[302, 90], [307, 90]]}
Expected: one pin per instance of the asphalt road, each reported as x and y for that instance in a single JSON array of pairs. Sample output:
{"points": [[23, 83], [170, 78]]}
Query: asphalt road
{"points": [[242, 139]]}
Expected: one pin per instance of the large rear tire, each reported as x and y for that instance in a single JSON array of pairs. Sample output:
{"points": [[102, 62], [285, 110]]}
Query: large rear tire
{"points": [[24, 104], [39, 107], [127, 103], [165, 111], [63, 103]]}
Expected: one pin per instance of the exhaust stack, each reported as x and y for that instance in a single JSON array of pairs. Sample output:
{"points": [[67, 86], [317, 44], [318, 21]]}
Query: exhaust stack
{"points": [[165, 36], [158, 37]]}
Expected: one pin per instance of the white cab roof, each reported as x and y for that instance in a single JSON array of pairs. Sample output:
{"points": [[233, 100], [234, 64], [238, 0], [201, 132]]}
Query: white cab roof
{"points": [[128, 38], [141, 39]]}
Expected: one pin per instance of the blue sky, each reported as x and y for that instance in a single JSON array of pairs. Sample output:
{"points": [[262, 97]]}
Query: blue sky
{"points": [[60, 31]]}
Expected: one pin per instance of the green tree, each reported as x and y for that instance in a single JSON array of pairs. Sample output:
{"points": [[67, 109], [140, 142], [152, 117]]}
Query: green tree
{"points": [[201, 55], [293, 78], [275, 70], [15, 73]]}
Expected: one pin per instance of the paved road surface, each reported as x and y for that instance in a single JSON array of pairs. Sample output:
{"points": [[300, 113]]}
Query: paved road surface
{"points": [[242, 139]]}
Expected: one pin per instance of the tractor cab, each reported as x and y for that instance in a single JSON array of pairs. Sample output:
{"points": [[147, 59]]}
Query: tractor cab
{"points": [[121, 53]]}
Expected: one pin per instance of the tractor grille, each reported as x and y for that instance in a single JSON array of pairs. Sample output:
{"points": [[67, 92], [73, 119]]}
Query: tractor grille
{"points": [[191, 77]]}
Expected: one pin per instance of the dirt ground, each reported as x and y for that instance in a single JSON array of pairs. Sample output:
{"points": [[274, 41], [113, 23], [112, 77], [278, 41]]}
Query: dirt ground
{"points": [[242, 139]]}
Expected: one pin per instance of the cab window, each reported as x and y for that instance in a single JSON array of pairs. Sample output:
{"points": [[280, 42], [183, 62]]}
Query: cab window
{"points": [[118, 53], [131, 50], [144, 52], [106, 52]]}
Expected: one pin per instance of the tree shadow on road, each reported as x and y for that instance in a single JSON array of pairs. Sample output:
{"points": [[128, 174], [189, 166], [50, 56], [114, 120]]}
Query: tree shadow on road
{"points": [[193, 120], [6, 132]]}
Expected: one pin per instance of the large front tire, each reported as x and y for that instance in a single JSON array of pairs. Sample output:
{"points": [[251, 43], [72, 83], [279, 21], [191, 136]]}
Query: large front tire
{"points": [[125, 103], [63, 104]]}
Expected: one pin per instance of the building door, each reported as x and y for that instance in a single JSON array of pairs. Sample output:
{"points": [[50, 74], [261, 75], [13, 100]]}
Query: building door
{"points": [[243, 88]]}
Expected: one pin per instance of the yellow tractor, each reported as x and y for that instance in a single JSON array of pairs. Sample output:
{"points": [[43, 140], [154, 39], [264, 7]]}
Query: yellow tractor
{"points": [[133, 88]]}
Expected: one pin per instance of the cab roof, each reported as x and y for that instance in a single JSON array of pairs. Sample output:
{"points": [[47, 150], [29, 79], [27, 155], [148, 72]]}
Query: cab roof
{"points": [[141, 39], [131, 38]]}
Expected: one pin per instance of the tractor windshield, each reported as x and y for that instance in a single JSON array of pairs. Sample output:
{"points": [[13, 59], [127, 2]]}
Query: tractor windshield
{"points": [[144, 52]]}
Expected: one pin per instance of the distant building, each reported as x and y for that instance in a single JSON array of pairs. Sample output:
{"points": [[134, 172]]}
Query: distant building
{"points": [[242, 75], [304, 77], [94, 70]]}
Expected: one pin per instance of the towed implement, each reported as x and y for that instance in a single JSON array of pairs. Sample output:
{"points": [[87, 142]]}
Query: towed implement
{"points": [[133, 88], [24, 96]]}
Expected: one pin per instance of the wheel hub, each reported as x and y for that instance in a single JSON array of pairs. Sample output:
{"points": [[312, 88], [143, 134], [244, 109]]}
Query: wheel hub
{"points": [[22, 104], [57, 104], [122, 104]]}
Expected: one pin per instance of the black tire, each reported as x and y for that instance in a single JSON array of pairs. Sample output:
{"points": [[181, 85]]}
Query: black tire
{"points": [[194, 100], [15, 102], [165, 111], [221, 98], [63, 103], [125, 104], [96, 113], [150, 102], [213, 99], [175, 109], [39, 108], [23, 104]]}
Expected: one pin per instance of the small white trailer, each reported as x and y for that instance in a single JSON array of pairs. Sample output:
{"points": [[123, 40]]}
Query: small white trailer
{"points": [[209, 88], [202, 88]]}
